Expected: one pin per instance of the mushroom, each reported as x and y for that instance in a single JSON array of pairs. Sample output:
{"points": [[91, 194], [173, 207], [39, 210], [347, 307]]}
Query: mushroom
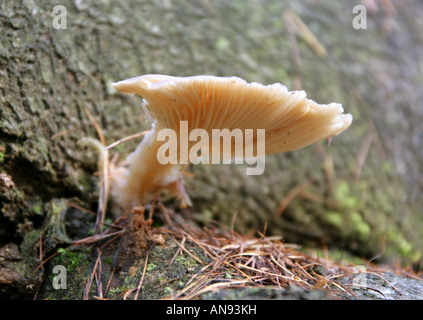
{"points": [[183, 105]]}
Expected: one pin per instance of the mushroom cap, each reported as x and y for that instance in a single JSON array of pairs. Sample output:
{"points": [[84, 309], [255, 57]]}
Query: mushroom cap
{"points": [[291, 120]]}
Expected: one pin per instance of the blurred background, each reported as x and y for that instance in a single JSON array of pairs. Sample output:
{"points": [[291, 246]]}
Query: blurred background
{"points": [[361, 195]]}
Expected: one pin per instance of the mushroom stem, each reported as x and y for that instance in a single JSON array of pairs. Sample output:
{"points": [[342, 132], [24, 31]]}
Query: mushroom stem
{"points": [[145, 176]]}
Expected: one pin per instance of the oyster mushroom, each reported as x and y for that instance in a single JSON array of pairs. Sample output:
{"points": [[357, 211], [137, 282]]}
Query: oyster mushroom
{"points": [[184, 104]]}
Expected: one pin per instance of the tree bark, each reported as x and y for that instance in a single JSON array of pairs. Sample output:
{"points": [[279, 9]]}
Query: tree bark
{"points": [[360, 195]]}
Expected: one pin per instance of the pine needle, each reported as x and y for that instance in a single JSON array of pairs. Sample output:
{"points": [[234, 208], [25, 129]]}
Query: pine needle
{"points": [[64, 132], [137, 135], [308, 36], [104, 168], [142, 278]]}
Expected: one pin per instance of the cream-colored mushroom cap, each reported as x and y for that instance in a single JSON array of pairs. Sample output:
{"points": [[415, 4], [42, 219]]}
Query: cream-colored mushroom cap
{"points": [[291, 120], [208, 103]]}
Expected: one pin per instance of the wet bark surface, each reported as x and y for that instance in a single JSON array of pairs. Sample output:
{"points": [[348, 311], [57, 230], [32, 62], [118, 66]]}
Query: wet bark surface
{"points": [[360, 195]]}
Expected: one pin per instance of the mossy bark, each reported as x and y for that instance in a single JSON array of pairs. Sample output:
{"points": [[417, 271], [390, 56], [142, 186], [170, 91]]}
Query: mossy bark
{"points": [[364, 191]]}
